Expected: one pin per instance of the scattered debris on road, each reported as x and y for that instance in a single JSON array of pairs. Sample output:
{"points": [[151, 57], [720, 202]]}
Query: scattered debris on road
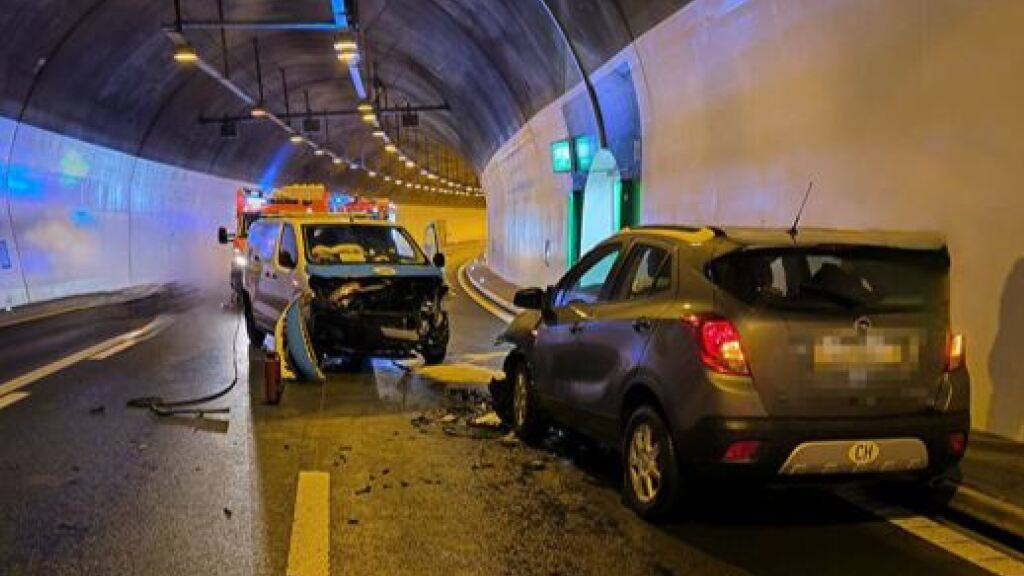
{"points": [[488, 420], [98, 410]]}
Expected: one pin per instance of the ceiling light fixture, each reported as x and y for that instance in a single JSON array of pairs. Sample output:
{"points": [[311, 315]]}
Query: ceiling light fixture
{"points": [[185, 53]]}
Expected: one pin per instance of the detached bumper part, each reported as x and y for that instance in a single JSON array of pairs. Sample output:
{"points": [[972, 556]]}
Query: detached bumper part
{"points": [[300, 347]]}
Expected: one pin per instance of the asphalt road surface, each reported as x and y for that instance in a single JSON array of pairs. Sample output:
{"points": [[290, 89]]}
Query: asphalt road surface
{"points": [[364, 474]]}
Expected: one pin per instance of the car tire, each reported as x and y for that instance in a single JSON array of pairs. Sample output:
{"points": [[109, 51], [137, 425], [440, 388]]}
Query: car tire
{"points": [[650, 466], [527, 421], [256, 335]]}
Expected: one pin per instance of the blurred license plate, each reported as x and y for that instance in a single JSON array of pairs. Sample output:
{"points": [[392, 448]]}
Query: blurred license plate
{"points": [[838, 354]]}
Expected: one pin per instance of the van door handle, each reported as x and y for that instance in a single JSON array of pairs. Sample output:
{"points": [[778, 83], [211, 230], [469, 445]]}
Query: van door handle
{"points": [[642, 325]]}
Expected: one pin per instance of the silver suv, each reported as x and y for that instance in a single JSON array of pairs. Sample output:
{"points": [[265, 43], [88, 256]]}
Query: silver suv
{"points": [[750, 353]]}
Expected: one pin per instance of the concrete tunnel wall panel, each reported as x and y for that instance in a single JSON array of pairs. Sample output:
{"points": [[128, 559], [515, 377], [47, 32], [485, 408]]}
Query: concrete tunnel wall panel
{"points": [[905, 115], [87, 218]]}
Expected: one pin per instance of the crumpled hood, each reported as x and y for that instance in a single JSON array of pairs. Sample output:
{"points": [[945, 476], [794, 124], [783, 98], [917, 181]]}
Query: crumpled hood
{"points": [[371, 270]]}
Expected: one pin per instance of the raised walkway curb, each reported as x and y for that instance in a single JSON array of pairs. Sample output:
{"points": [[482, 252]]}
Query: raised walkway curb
{"points": [[40, 311], [969, 496]]}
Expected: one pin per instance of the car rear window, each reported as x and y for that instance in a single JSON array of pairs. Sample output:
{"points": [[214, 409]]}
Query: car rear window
{"points": [[834, 278]]}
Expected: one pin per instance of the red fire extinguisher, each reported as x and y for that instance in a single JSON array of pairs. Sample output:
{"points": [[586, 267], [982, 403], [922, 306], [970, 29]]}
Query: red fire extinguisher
{"points": [[272, 378]]}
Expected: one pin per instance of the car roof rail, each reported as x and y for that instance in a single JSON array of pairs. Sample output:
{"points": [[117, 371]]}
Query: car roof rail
{"points": [[680, 228]]}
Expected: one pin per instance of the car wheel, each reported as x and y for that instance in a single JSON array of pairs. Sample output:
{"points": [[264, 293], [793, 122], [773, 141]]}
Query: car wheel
{"points": [[527, 422], [650, 466], [256, 336]]}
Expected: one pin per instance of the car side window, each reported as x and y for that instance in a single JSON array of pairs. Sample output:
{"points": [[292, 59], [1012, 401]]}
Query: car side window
{"points": [[587, 284], [647, 271], [288, 246]]}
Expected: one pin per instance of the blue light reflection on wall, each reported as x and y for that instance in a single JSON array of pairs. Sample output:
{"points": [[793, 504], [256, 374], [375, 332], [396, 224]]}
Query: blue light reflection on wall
{"points": [[276, 164]]}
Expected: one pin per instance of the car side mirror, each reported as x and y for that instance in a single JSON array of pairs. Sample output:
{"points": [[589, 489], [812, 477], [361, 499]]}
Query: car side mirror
{"points": [[529, 298], [286, 260], [222, 235], [439, 260]]}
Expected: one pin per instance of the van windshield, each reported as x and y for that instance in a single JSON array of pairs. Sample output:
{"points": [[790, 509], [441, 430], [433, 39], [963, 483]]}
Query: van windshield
{"points": [[360, 244], [835, 278]]}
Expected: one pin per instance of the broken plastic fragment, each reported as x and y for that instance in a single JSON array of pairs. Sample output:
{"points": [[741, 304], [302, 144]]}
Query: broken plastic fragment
{"points": [[300, 347]]}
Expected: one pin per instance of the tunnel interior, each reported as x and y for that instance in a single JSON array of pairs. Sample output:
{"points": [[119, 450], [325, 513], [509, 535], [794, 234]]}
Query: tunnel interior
{"points": [[102, 72]]}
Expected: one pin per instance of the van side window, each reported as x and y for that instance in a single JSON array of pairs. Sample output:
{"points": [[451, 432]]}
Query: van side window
{"points": [[288, 246], [267, 241], [255, 237]]}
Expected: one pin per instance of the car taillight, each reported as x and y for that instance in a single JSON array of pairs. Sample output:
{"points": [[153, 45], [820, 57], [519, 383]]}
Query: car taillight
{"points": [[720, 348], [954, 352]]}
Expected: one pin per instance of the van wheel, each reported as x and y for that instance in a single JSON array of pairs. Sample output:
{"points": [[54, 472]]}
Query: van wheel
{"points": [[650, 466], [527, 422], [256, 336]]}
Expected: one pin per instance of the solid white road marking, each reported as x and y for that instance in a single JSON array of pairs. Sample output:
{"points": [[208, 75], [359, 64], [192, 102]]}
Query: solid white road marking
{"points": [[11, 398], [148, 331], [309, 551], [480, 300], [91, 351], [950, 540]]}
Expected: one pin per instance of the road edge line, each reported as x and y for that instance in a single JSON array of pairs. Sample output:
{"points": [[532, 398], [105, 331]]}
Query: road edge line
{"points": [[987, 509], [41, 372], [950, 540]]}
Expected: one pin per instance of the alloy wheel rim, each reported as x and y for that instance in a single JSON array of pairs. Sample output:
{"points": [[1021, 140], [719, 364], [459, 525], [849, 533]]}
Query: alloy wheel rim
{"points": [[644, 467], [520, 399]]}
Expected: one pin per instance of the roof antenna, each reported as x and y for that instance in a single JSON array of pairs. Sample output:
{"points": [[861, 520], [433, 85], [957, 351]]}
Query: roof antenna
{"points": [[793, 230]]}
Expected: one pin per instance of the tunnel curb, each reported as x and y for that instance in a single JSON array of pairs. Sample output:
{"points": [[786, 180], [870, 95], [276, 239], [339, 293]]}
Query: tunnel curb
{"points": [[489, 295], [986, 508], [35, 311]]}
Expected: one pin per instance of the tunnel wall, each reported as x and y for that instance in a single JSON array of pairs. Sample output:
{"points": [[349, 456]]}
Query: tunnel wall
{"points": [[79, 218], [462, 224], [905, 115]]}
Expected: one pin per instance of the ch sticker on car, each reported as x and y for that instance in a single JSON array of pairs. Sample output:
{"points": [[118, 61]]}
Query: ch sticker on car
{"points": [[863, 452]]}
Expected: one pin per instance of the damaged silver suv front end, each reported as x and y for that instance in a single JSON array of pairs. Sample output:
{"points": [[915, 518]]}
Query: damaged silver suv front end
{"points": [[382, 311]]}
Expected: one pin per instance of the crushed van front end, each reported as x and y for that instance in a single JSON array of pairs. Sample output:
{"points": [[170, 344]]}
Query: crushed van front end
{"points": [[391, 316]]}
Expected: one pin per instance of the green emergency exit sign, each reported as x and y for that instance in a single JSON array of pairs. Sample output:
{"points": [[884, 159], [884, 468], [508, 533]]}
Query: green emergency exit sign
{"points": [[584, 148], [561, 156]]}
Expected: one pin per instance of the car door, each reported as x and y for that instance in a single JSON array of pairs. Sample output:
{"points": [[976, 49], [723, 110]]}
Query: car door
{"points": [[283, 283], [556, 358], [261, 269], [611, 344]]}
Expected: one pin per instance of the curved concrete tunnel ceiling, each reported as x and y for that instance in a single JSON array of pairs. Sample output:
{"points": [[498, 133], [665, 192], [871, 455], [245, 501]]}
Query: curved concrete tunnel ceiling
{"points": [[101, 71]]}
